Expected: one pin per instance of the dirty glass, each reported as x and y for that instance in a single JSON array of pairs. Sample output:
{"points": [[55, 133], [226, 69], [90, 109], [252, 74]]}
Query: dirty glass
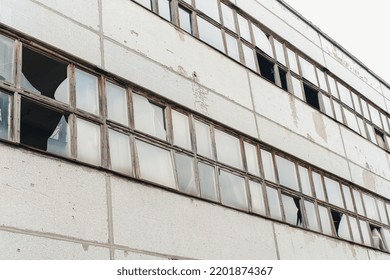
{"points": [[327, 105], [145, 3], [322, 80], [185, 174], [287, 173], [5, 107], [262, 41], [318, 186], [358, 202], [155, 164], [308, 71], [356, 102], [351, 120], [382, 211], [325, 220], [297, 87], [244, 28], [292, 60], [210, 34], [87, 94], [334, 192], [311, 216], [375, 117], [6, 59], [305, 180], [268, 166], [185, 20], [88, 142], [370, 205], [251, 159], [365, 233], [355, 229], [228, 17], [59, 141], [149, 118], [274, 203], [249, 57], [209, 7], [181, 130], [348, 198], [203, 139], [228, 149], [207, 181], [117, 104], [164, 9], [292, 210], [257, 198], [279, 50], [120, 153], [232, 47], [233, 191], [345, 95]]}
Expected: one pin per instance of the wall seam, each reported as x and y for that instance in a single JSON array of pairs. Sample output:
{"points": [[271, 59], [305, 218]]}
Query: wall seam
{"points": [[110, 225]]}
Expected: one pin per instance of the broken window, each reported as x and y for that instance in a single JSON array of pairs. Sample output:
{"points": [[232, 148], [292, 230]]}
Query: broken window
{"points": [[268, 166], [311, 96], [375, 117], [305, 180], [292, 61], [44, 129], [348, 198], [88, 142], [377, 239], [292, 210], [155, 164], [117, 104], [340, 223], [181, 130], [334, 192], [279, 51], [145, 3], [386, 237], [228, 149], [185, 19], [257, 198], [209, 7], [6, 59], [365, 232], [87, 93], [283, 79], [308, 71], [207, 182], [232, 47], [297, 87], [380, 138], [185, 174], [262, 41], [164, 9], [371, 132], [5, 116], [149, 118], [325, 220], [322, 80], [233, 191], [251, 159], [120, 152], [287, 173], [244, 25], [266, 68], [327, 105], [345, 95], [355, 229], [210, 34], [311, 214], [274, 203], [318, 186], [44, 75], [370, 205], [228, 17], [249, 57], [358, 202], [351, 120], [203, 139]]}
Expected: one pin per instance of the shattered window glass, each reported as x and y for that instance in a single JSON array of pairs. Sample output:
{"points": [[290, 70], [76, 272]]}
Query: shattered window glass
{"points": [[233, 191], [87, 93], [5, 117], [185, 174], [210, 34], [203, 139], [287, 173], [274, 203], [257, 198], [262, 41], [181, 130], [88, 142], [209, 7], [120, 153], [6, 59], [292, 210], [378, 241], [117, 104], [228, 149], [207, 182], [59, 142], [268, 166], [340, 223]]}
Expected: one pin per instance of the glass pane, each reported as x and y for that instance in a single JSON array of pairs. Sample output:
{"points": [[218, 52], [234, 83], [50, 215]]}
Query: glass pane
{"points": [[6, 59], [318, 186], [210, 34], [117, 104], [155, 164], [356, 102], [207, 181], [362, 127], [297, 87], [185, 174], [343, 230], [382, 211], [333, 191], [232, 47], [287, 173], [375, 117], [262, 41], [351, 120], [59, 142], [88, 142], [181, 130], [370, 204], [338, 113], [274, 204], [292, 60], [164, 9], [348, 198], [244, 28], [308, 70], [355, 229], [209, 7], [311, 216], [372, 134], [366, 114], [228, 149], [268, 166], [120, 153], [185, 20], [365, 233], [228, 18], [358, 202], [386, 237], [327, 105], [5, 118], [333, 88], [203, 139], [145, 3], [305, 181], [249, 57], [149, 118], [233, 192], [292, 210], [325, 220], [257, 199], [322, 80], [251, 158], [279, 50], [385, 123], [345, 95], [87, 94]]}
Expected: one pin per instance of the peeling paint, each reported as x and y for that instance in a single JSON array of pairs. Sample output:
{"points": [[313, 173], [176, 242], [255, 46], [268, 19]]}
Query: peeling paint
{"points": [[369, 180], [293, 109], [201, 98], [182, 71], [320, 126]]}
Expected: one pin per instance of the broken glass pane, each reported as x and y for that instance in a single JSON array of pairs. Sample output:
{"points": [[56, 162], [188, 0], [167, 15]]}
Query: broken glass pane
{"points": [[377, 239], [6, 59], [305, 181], [155, 164], [348, 198], [355, 229], [365, 233], [164, 9], [262, 41], [333, 191], [207, 181], [181, 130], [251, 158], [117, 104], [228, 17], [233, 191], [120, 153], [44, 75], [279, 50], [327, 105], [249, 57], [185, 19], [232, 47], [386, 237], [287, 173], [257, 199], [382, 211], [340, 222], [209, 7], [185, 174], [322, 80], [268, 166], [308, 71], [228, 149], [59, 142], [292, 210], [358, 202], [87, 94], [274, 204], [149, 118], [5, 118], [88, 142], [297, 87], [203, 139], [380, 138], [318, 186], [311, 216], [145, 3], [351, 120], [345, 95], [210, 34], [244, 28], [325, 220], [370, 205], [375, 117], [292, 60]]}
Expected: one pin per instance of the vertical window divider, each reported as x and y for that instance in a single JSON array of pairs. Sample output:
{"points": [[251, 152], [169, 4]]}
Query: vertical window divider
{"points": [[174, 168], [194, 153], [103, 112], [129, 93], [73, 134], [175, 12], [15, 127], [169, 124], [134, 157]]}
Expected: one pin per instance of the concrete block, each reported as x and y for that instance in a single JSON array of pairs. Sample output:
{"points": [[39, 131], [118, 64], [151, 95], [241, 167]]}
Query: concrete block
{"points": [[377, 255]]}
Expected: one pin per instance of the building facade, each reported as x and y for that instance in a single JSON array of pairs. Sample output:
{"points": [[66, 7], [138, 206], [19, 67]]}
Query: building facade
{"points": [[196, 129]]}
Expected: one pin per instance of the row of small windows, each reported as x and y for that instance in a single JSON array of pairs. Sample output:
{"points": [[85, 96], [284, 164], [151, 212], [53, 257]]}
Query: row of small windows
{"points": [[54, 106], [222, 27]]}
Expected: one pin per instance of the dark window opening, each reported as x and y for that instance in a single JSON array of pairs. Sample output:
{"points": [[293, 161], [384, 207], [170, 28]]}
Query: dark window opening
{"points": [[336, 218], [380, 138], [283, 78], [266, 68], [292, 210], [44, 75], [311, 96], [377, 238]]}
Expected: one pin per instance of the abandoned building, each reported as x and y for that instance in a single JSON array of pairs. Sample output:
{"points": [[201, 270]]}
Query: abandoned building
{"points": [[187, 129]]}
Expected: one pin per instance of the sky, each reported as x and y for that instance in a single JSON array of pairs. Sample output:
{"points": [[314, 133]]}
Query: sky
{"points": [[361, 27]]}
